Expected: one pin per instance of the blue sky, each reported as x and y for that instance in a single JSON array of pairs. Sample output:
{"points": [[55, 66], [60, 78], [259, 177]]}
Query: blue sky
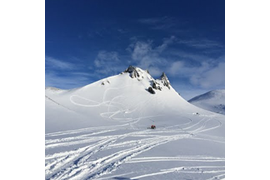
{"points": [[89, 40]]}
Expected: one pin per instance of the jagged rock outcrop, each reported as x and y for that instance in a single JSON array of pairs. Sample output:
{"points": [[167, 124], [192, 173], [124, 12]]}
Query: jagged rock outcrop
{"points": [[155, 84], [165, 81], [132, 71]]}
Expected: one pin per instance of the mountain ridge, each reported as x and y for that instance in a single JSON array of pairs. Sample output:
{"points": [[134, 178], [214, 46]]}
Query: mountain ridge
{"points": [[212, 100]]}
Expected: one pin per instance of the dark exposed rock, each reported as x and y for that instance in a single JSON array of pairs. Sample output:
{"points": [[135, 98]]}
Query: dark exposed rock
{"points": [[151, 90], [104, 82], [165, 81], [137, 73], [155, 85], [132, 72]]}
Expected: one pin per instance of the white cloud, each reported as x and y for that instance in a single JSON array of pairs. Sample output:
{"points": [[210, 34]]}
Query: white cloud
{"points": [[195, 69], [108, 63], [140, 50], [62, 74], [186, 56], [201, 43], [208, 74], [166, 43], [176, 67], [155, 71], [147, 56], [185, 70], [105, 57], [151, 20], [52, 79], [58, 64], [212, 77], [122, 31], [160, 23]]}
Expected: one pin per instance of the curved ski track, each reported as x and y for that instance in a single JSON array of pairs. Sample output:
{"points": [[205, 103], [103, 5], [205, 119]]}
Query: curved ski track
{"points": [[85, 162], [97, 151]]}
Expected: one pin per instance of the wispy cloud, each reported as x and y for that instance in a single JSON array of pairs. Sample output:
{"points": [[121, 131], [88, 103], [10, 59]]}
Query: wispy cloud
{"points": [[108, 63], [159, 23], [58, 64], [208, 74], [147, 56], [166, 43], [194, 68], [62, 81], [212, 77], [105, 57], [152, 21], [66, 74], [201, 43], [122, 31], [140, 49], [188, 56]]}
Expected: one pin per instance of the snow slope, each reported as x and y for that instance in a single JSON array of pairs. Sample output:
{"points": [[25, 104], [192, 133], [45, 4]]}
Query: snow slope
{"points": [[101, 131], [213, 101]]}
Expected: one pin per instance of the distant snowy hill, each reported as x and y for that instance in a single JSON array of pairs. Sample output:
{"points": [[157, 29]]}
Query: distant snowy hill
{"points": [[102, 131], [213, 101]]}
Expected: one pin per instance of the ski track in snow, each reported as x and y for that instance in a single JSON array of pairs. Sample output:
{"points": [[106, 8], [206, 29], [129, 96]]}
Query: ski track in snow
{"points": [[188, 169], [84, 161], [77, 164], [81, 163]]}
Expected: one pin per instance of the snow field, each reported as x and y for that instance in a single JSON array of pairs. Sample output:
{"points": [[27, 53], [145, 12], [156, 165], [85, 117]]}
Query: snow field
{"points": [[100, 131], [106, 153]]}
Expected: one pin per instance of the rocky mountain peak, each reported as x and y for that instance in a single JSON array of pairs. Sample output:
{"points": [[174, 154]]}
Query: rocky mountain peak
{"points": [[133, 71], [164, 80]]}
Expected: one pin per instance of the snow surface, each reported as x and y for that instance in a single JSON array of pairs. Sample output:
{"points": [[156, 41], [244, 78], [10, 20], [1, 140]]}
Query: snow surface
{"points": [[212, 101], [101, 131]]}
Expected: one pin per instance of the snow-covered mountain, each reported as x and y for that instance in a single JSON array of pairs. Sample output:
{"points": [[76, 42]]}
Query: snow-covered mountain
{"points": [[213, 101], [102, 131]]}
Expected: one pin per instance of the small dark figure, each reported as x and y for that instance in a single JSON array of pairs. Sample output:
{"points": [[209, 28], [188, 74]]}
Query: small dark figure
{"points": [[153, 127]]}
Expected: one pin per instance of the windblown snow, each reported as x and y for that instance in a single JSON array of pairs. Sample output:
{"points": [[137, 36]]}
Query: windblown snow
{"points": [[102, 131]]}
